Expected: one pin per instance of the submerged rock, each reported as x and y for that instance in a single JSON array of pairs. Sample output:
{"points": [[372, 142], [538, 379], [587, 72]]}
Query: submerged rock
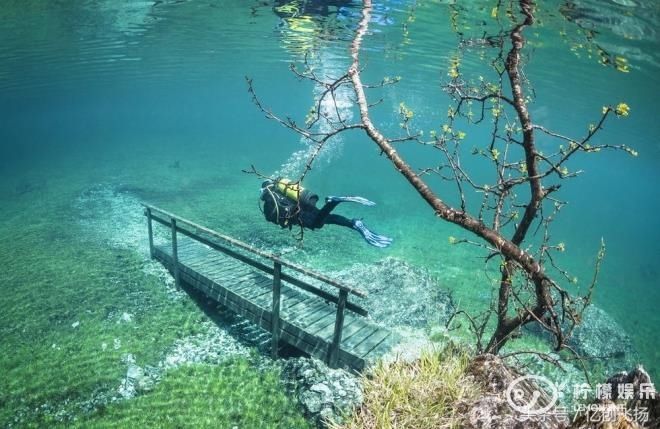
{"points": [[137, 379], [638, 379], [400, 294], [325, 394], [213, 345], [600, 336]]}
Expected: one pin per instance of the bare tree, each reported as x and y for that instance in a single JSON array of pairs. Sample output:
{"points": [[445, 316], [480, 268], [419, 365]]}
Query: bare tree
{"points": [[530, 289]]}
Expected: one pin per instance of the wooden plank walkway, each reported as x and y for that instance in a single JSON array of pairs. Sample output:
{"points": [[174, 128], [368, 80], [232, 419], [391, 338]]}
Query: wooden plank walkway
{"points": [[232, 273]]}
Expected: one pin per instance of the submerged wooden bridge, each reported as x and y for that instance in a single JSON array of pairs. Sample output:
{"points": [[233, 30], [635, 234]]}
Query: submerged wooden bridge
{"points": [[254, 284]]}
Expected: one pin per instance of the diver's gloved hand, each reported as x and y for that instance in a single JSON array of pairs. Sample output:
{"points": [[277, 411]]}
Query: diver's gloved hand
{"points": [[359, 200], [370, 236]]}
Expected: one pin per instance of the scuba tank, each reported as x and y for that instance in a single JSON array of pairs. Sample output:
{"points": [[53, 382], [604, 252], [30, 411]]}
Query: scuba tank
{"points": [[288, 189], [295, 192]]}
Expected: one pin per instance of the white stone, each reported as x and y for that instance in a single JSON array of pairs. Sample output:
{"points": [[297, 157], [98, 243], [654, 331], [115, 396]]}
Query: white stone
{"points": [[326, 393], [134, 372]]}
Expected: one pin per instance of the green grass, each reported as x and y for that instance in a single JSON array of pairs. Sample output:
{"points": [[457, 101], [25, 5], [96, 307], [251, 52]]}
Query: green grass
{"points": [[420, 394], [46, 360], [57, 278], [201, 396]]}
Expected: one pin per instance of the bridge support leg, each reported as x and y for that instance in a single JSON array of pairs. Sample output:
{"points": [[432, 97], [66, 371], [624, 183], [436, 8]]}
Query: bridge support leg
{"points": [[333, 356], [175, 256], [150, 231], [275, 313]]}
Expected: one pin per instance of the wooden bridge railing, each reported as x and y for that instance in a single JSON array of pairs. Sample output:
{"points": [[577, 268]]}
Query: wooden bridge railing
{"points": [[224, 244]]}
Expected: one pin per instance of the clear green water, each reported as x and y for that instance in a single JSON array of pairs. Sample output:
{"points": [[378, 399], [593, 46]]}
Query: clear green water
{"points": [[100, 99]]}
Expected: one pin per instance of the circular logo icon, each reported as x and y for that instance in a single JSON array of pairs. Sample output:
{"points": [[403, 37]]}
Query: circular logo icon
{"points": [[528, 401]]}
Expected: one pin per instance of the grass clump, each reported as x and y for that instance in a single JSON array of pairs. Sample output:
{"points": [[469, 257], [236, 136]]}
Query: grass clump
{"points": [[420, 394]]}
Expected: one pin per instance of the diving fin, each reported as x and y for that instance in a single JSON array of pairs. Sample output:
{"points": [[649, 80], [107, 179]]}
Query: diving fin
{"points": [[359, 200], [370, 236]]}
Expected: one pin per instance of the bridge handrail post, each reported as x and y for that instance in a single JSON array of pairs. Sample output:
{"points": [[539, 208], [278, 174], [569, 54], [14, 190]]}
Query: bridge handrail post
{"points": [[175, 255], [333, 356], [275, 313], [150, 231]]}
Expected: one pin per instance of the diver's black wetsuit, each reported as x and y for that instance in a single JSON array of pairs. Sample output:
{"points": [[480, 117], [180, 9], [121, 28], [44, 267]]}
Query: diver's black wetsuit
{"points": [[314, 218], [288, 213]]}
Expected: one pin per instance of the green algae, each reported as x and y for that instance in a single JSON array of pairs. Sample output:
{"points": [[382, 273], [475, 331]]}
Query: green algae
{"points": [[234, 394], [77, 309]]}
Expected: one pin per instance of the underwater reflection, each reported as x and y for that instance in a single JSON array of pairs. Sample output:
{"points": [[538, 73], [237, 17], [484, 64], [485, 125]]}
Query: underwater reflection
{"points": [[614, 23]]}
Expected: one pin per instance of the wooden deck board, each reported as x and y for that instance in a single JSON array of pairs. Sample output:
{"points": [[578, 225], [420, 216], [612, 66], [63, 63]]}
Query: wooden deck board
{"points": [[371, 342], [359, 332], [305, 317], [297, 312], [245, 282], [350, 325], [292, 305], [352, 341], [320, 325], [261, 287], [203, 263], [291, 300], [222, 270]]}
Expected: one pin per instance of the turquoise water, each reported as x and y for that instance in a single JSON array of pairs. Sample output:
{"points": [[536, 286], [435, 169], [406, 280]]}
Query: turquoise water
{"points": [[107, 103]]}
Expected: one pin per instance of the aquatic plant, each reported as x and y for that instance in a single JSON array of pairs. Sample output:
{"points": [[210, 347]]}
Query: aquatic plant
{"points": [[81, 315], [504, 211], [425, 393], [199, 396]]}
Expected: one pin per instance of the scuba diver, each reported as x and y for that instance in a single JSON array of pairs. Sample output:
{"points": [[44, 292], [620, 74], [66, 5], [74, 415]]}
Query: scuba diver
{"points": [[288, 204]]}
